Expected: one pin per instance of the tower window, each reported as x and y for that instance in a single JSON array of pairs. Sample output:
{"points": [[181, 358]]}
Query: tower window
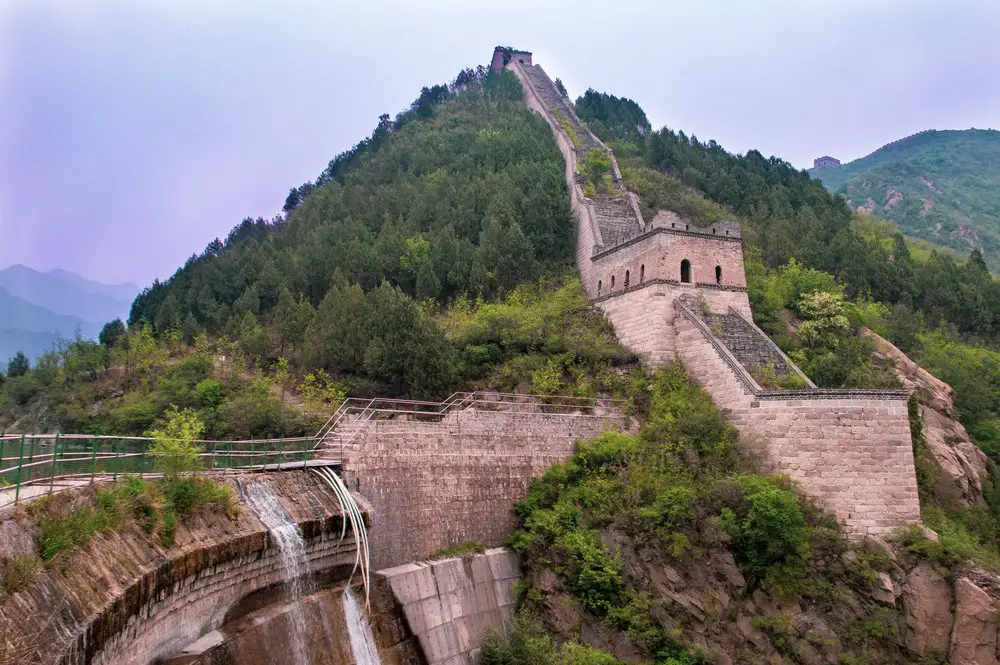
{"points": [[686, 271], [626, 279], [718, 274], [598, 288], [642, 273], [612, 282]]}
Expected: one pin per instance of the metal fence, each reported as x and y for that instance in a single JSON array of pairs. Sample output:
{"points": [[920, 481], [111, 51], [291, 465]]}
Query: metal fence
{"points": [[49, 460], [354, 413]]}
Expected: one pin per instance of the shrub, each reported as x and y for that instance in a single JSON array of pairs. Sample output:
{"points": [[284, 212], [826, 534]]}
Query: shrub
{"points": [[175, 448], [772, 532]]}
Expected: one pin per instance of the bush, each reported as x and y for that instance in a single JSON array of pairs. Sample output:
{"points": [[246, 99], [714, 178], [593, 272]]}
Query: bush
{"points": [[18, 573], [772, 531], [175, 448]]}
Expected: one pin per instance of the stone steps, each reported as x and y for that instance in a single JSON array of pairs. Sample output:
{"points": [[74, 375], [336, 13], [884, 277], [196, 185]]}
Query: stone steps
{"points": [[750, 347]]}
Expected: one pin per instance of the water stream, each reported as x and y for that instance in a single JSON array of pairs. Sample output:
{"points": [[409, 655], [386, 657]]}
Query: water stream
{"points": [[287, 536], [360, 632]]}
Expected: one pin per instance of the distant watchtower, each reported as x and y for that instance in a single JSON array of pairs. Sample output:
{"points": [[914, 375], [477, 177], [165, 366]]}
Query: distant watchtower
{"points": [[825, 162], [504, 55]]}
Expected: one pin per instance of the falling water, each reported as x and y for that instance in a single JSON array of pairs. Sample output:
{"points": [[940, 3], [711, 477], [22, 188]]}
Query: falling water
{"points": [[360, 632], [286, 535]]}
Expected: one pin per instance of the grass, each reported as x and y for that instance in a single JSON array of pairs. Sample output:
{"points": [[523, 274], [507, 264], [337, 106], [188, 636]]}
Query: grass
{"points": [[18, 573], [68, 521]]}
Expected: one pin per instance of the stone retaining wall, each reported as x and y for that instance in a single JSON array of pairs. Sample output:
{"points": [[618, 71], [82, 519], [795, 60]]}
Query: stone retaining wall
{"points": [[125, 599], [432, 485], [849, 449], [450, 605]]}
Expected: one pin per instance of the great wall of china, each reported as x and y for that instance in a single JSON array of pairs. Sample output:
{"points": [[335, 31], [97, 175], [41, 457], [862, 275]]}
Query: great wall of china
{"points": [[430, 476], [672, 289]]}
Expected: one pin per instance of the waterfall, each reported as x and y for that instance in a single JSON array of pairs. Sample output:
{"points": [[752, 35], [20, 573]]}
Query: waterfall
{"points": [[292, 548], [360, 632]]}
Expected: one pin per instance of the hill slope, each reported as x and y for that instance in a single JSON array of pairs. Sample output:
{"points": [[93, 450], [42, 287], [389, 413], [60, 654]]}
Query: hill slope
{"points": [[940, 186]]}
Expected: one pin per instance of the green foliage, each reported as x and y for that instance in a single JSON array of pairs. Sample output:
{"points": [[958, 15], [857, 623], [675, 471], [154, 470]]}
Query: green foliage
{"points": [[936, 185], [529, 644], [612, 118], [175, 448], [18, 366], [69, 520], [670, 489], [18, 573], [596, 165]]}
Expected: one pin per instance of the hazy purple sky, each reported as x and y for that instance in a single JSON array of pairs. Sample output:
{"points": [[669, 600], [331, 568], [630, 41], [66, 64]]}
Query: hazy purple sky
{"points": [[133, 133]]}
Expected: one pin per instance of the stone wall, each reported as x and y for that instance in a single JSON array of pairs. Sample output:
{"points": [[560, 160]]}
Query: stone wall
{"points": [[126, 599], [449, 605], [432, 485], [849, 449]]}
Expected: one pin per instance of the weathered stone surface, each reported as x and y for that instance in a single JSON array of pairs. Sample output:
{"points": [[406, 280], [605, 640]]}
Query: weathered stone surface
{"points": [[961, 462], [927, 607], [125, 599], [436, 484], [974, 635], [471, 596], [885, 590]]}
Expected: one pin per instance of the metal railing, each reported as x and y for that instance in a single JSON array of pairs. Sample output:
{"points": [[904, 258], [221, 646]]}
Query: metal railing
{"points": [[354, 414], [40, 460]]}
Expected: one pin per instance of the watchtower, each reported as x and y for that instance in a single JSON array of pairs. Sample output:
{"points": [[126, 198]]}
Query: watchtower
{"points": [[504, 55]]}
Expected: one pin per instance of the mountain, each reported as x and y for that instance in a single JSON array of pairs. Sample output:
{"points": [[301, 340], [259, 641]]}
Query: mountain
{"points": [[31, 328], [940, 186], [67, 293]]}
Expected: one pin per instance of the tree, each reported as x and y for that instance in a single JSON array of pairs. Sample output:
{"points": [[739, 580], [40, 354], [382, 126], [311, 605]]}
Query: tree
{"points": [[561, 88], [111, 333], [175, 448], [18, 365]]}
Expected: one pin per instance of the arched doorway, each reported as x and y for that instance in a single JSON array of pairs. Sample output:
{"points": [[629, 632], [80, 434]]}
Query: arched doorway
{"points": [[686, 271]]}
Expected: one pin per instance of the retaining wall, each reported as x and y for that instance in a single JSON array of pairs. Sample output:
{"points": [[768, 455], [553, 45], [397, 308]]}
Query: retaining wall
{"points": [[448, 605], [432, 485], [849, 449], [125, 599]]}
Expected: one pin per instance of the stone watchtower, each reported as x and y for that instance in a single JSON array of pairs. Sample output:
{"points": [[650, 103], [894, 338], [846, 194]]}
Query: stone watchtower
{"points": [[673, 289], [504, 55]]}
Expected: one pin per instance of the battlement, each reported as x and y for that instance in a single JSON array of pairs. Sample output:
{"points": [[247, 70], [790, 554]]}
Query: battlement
{"points": [[504, 55]]}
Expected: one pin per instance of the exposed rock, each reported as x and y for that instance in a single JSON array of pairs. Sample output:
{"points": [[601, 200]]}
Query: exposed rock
{"points": [[884, 590], [962, 463], [974, 636], [927, 606]]}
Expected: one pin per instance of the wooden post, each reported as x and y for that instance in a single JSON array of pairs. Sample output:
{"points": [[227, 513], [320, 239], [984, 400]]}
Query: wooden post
{"points": [[117, 448]]}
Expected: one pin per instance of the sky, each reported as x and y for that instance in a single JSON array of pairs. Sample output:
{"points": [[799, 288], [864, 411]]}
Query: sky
{"points": [[133, 133]]}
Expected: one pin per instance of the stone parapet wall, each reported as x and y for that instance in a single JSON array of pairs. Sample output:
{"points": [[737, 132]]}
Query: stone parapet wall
{"points": [[588, 233], [850, 450], [433, 485], [449, 605]]}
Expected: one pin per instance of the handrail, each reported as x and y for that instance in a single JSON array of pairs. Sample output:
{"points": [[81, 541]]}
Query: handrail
{"points": [[34, 459]]}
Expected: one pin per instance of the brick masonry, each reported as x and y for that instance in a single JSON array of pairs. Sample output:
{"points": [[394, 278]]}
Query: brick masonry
{"points": [[849, 449], [449, 605], [432, 485]]}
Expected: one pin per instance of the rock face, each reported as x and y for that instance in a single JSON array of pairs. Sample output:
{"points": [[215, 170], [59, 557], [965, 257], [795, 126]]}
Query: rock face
{"points": [[927, 603], [974, 637], [962, 463]]}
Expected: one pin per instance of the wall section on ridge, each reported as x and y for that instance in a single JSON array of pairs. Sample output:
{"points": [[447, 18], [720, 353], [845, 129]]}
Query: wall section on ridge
{"points": [[849, 449], [433, 485]]}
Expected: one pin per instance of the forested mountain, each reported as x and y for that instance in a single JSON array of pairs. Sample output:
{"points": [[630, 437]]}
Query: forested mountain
{"points": [[940, 186]]}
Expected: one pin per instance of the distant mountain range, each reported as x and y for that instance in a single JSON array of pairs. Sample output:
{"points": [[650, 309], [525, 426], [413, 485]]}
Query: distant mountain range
{"points": [[940, 186], [37, 308]]}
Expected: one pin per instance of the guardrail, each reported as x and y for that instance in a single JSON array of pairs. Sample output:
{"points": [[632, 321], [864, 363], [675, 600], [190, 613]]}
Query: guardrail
{"points": [[37, 460], [350, 419]]}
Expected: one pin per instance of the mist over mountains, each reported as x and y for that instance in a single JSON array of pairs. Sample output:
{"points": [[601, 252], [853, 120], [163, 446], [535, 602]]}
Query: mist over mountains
{"points": [[37, 308]]}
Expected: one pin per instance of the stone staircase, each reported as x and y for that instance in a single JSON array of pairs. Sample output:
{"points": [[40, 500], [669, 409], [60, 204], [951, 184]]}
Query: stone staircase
{"points": [[615, 215], [751, 348]]}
